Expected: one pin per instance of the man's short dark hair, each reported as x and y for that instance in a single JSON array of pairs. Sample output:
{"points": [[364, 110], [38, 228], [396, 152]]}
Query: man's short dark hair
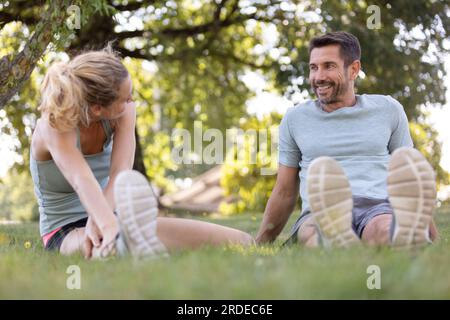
{"points": [[349, 45]]}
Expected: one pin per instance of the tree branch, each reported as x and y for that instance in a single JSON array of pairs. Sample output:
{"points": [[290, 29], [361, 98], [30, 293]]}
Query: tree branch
{"points": [[16, 69], [212, 26], [218, 10], [131, 34], [132, 6], [242, 61], [6, 17], [138, 54], [203, 28]]}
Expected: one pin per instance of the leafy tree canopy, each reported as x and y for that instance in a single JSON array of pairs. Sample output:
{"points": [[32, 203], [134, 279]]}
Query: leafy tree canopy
{"points": [[188, 57]]}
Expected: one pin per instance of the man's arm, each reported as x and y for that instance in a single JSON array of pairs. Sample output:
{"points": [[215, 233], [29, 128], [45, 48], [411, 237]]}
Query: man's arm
{"points": [[280, 205]]}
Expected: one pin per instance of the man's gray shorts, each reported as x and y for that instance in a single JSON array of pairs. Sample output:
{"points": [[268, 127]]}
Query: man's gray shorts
{"points": [[364, 210]]}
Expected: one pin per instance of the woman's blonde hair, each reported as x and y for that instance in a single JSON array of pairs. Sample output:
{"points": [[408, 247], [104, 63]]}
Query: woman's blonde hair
{"points": [[70, 89]]}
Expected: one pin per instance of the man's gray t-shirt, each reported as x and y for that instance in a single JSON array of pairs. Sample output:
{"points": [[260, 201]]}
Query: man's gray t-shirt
{"points": [[361, 138]]}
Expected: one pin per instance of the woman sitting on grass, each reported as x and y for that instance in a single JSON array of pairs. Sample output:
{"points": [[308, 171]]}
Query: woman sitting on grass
{"points": [[82, 152]]}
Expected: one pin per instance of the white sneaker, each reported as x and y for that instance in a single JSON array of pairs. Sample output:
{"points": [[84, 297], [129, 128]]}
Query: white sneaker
{"points": [[330, 199], [137, 209], [412, 194]]}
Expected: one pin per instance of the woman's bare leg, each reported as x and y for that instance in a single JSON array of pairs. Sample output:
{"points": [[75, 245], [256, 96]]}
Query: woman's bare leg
{"points": [[175, 234], [73, 242]]}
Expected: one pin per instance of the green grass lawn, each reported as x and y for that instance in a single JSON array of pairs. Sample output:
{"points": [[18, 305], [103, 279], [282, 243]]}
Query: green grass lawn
{"points": [[228, 272]]}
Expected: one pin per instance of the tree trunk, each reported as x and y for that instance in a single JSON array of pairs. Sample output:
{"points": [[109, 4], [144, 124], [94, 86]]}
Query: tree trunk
{"points": [[138, 158], [15, 70]]}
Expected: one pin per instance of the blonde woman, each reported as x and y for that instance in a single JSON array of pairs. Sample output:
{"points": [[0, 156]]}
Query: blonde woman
{"points": [[82, 152]]}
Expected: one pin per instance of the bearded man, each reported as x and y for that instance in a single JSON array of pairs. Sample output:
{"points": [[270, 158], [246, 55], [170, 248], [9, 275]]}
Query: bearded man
{"points": [[352, 157]]}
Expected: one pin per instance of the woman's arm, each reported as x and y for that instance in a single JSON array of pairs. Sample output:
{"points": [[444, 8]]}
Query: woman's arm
{"points": [[124, 146], [73, 166]]}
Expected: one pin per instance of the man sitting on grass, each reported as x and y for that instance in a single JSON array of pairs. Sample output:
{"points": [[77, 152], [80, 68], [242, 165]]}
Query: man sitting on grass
{"points": [[359, 176]]}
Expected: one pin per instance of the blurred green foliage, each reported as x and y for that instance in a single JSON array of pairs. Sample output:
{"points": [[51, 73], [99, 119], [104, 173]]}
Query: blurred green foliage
{"points": [[17, 200], [251, 180], [187, 59]]}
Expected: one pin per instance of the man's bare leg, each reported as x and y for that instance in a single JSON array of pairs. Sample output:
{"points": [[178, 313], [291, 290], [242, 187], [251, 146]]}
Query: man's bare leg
{"points": [[307, 234], [378, 231], [434, 233]]}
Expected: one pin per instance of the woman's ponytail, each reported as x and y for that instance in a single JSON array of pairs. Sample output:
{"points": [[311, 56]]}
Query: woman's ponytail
{"points": [[63, 97]]}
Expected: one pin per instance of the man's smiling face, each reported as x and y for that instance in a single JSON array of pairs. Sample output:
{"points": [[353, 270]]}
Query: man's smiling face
{"points": [[328, 75]]}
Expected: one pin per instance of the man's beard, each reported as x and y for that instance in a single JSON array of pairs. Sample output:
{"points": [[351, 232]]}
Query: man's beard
{"points": [[338, 89]]}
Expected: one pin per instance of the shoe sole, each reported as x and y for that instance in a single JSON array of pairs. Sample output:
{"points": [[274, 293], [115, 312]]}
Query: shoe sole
{"points": [[412, 194], [137, 209], [330, 199]]}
